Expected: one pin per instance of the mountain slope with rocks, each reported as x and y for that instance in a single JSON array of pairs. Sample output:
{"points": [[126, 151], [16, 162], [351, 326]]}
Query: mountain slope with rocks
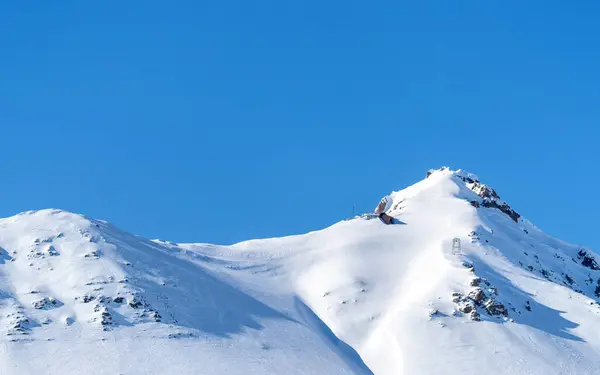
{"points": [[461, 284]]}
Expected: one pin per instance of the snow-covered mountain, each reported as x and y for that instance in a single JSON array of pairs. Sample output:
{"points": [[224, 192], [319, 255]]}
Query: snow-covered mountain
{"points": [[461, 284]]}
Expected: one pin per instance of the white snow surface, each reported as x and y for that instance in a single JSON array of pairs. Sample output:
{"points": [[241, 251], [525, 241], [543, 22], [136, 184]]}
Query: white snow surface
{"points": [[451, 288]]}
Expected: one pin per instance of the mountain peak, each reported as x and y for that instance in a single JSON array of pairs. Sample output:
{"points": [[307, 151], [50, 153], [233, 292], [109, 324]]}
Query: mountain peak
{"points": [[460, 173], [458, 274], [471, 189]]}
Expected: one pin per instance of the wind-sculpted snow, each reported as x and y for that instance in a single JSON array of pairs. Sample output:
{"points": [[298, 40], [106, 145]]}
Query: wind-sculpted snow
{"points": [[461, 284]]}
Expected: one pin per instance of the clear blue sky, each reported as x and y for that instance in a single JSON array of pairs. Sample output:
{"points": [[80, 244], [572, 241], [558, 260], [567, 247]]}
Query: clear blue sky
{"points": [[227, 120]]}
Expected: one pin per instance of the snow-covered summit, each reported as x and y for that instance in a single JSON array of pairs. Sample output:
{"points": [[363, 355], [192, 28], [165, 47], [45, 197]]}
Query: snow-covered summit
{"points": [[470, 188], [460, 173], [461, 284]]}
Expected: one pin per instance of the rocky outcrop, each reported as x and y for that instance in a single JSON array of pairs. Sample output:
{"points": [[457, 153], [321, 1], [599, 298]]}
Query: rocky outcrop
{"points": [[52, 251], [104, 317], [504, 208], [477, 295], [119, 300], [495, 308], [587, 260], [489, 197], [145, 310], [482, 298], [46, 303], [17, 323]]}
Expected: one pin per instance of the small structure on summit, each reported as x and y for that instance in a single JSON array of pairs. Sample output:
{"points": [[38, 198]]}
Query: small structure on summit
{"points": [[386, 218], [383, 206]]}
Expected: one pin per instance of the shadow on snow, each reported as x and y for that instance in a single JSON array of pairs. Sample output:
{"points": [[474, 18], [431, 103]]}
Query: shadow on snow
{"points": [[185, 294], [343, 350], [542, 317]]}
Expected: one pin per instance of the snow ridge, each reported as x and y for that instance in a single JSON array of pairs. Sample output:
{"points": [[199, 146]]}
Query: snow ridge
{"points": [[460, 274]]}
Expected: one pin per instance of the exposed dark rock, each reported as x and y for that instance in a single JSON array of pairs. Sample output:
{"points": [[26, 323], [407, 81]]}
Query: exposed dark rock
{"points": [[180, 335], [119, 300], [105, 318], [491, 199], [457, 297], [467, 308], [45, 303], [474, 235], [597, 291], [155, 315], [94, 254], [96, 283], [477, 295], [527, 306], [18, 324], [475, 204], [504, 208], [587, 260], [483, 295], [569, 279], [485, 191], [469, 266], [105, 299], [467, 179], [474, 316], [496, 308], [35, 255], [137, 302], [52, 251], [545, 273]]}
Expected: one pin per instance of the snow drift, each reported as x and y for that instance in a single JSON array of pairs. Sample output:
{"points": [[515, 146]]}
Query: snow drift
{"points": [[461, 284]]}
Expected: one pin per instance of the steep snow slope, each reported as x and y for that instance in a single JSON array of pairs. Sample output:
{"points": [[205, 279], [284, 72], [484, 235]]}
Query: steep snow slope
{"points": [[460, 285]]}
